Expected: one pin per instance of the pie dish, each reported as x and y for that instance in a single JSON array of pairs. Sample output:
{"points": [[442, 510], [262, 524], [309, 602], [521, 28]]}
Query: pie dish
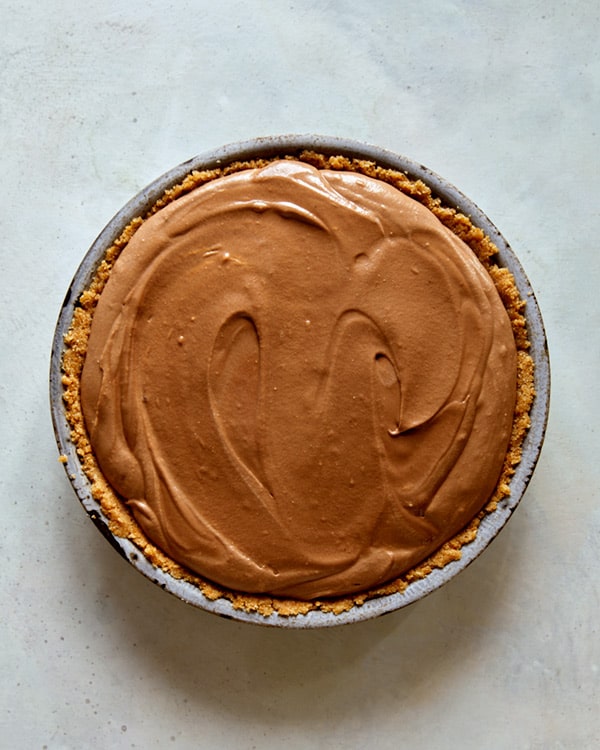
{"points": [[314, 164]]}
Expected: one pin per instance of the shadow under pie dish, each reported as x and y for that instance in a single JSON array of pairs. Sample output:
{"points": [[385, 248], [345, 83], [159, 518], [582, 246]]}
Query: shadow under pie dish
{"points": [[300, 381]]}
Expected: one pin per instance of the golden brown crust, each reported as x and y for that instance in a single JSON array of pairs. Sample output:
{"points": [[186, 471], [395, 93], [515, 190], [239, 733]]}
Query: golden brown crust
{"points": [[120, 520]]}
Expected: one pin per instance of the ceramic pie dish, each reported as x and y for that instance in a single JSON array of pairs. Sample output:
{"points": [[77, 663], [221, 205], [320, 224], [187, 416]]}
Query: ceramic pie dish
{"points": [[238, 603]]}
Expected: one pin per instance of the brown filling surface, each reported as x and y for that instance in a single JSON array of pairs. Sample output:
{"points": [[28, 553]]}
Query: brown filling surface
{"points": [[305, 381]]}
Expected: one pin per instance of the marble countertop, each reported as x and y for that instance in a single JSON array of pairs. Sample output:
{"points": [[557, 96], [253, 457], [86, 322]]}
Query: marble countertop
{"points": [[503, 100]]}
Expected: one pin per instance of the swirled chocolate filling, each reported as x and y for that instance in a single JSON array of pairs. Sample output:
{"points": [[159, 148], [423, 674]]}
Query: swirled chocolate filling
{"points": [[301, 382]]}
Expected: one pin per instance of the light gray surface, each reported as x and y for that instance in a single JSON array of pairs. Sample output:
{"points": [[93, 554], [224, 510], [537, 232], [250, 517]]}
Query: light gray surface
{"points": [[502, 99]]}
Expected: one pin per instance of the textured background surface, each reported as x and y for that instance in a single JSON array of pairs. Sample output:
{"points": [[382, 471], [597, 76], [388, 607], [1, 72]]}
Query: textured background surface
{"points": [[503, 99]]}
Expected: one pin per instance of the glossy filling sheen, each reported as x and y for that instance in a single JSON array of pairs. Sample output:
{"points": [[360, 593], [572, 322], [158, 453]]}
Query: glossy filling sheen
{"points": [[301, 382]]}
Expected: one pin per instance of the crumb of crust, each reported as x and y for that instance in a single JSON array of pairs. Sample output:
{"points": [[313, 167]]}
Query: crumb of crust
{"points": [[121, 521], [63, 459]]}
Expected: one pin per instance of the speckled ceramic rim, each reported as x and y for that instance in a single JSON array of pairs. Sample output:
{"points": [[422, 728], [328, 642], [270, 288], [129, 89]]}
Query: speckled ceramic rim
{"points": [[289, 145]]}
